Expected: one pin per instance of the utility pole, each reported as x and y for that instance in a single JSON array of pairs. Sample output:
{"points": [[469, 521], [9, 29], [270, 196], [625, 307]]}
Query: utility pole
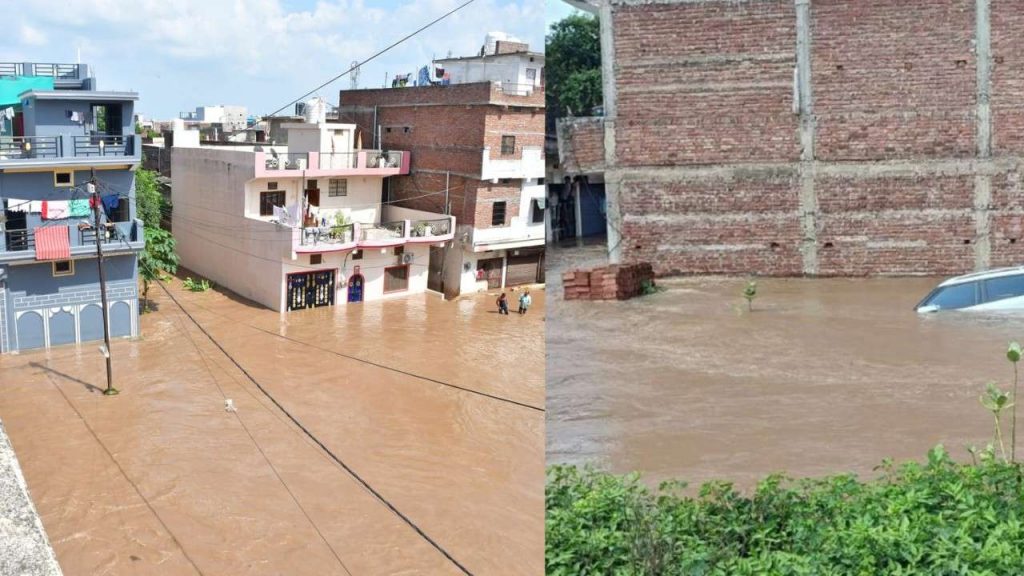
{"points": [[94, 197]]}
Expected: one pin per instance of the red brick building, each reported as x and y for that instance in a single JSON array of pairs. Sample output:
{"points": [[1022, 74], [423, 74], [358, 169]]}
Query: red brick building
{"points": [[810, 136], [477, 153]]}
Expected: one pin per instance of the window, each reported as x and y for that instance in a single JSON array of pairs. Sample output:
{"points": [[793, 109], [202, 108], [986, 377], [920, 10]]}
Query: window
{"points": [[316, 258], [357, 255], [396, 279], [537, 213], [268, 200], [64, 178], [531, 75], [399, 250], [498, 214], [508, 145], [540, 181], [64, 268], [338, 187], [953, 297], [1005, 287], [271, 185], [505, 181]]}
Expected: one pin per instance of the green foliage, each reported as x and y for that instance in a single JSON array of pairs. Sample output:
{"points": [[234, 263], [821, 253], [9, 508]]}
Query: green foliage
{"points": [[573, 67], [148, 200], [200, 285], [1013, 353], [749, 293], [934, 518], [158, 259], [340, 219], [648, 287]]}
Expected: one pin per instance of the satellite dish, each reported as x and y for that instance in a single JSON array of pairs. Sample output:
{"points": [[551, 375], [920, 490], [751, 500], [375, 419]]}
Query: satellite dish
{"points": [[354, 74]]}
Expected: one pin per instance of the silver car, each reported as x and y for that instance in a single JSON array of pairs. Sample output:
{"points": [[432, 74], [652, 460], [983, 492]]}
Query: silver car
{"points": [[999, 289]]}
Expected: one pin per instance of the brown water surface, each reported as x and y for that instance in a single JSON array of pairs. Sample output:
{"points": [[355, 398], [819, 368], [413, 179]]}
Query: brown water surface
{"points": [[162, 480], [824, 376]]}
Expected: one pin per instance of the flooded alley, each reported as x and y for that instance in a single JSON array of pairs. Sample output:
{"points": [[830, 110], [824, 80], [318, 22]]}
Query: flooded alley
{"points": [[428, 414], [824, 376]]}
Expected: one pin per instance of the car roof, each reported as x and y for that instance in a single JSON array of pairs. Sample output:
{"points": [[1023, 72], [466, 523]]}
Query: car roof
{"points": [[994, 273]]}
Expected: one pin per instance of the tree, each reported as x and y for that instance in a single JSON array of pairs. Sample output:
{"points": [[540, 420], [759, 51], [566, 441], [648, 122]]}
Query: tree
{"points": [[573, 67], [148, 200], [158, 259]]}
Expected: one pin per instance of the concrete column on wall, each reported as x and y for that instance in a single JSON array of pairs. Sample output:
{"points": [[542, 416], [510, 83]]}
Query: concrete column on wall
{"points": [[983, 180], [504, 268], [611, 187], [578, 209], [808, 200]]}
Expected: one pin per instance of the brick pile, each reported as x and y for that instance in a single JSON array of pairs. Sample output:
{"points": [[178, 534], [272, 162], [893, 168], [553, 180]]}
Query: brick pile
{"points": [[614, 282]]}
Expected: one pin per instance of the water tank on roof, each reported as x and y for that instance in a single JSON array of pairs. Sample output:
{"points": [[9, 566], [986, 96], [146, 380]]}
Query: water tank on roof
{"points": [[315, 111], [491, 41]]}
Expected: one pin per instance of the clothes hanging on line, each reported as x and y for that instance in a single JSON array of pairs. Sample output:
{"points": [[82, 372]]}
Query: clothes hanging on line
{"points": [[78, 208], [35, 206], [55, 209], [110, 203], [17, 205]]}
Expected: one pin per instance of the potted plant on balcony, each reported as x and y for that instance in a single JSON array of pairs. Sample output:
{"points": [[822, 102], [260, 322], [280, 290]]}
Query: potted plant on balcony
{"points": [[340, 222], [422, 229]]}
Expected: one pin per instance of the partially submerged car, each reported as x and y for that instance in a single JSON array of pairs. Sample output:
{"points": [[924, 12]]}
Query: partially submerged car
{"points": [[998, 289]]}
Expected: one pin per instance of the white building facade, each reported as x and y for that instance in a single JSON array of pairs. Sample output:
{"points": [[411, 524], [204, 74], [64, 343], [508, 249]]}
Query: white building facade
{"points": [[300, 226]]}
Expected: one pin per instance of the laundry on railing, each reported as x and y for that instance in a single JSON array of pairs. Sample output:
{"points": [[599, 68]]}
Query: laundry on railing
{"points": [[52, 243], [55, 210], [78, 208]]}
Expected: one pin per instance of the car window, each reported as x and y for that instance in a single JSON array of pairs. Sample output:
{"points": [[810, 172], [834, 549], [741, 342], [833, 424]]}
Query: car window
{"points": [[1004, 287], [952, 297]]}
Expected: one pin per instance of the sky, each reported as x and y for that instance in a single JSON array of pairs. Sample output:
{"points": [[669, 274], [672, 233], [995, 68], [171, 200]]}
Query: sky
{"points": [[179, 54]]}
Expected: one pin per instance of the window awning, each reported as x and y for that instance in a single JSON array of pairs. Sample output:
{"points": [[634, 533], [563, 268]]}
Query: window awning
{"points": [[52, 243]]}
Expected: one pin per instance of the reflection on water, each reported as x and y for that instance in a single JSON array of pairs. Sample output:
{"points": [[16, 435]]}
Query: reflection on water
{"points": [[183, 483], [825, 376]]}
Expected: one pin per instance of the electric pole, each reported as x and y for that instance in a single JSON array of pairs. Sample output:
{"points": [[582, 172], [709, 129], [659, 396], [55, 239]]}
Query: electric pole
{"points": [[94, 198]]}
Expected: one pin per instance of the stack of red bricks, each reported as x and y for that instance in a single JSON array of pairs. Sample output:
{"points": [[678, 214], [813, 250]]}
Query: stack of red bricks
{"points": [[615, 282]]}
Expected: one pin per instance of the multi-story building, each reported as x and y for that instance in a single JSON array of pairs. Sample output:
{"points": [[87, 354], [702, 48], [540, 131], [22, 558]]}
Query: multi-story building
{"points": [[230, 118], [301, 225], [58, 133], [478, 154]]}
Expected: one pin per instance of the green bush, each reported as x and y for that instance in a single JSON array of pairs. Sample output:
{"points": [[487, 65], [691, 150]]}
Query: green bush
{"points": [[936, 518], [200, 285]]}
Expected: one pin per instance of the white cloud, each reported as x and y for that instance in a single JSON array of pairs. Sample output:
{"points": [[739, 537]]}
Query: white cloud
{"points": [[31, 36], [259, 53]]}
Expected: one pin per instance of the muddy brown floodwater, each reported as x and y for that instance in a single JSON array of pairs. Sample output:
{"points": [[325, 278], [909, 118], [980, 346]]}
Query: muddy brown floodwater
{"points": [[825, 376], [162, 480]]}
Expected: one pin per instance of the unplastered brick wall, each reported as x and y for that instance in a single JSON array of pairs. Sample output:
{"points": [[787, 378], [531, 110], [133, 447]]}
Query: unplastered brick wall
{"points": [[825, 138], [525, 124], [487, 193], [582, 144]]}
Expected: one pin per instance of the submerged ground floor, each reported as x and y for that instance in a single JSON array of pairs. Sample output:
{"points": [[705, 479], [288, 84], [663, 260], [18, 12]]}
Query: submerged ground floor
{"points": [[435, 405]]}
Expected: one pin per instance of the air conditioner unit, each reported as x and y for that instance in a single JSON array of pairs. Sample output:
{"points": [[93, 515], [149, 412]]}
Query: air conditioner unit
{"points": [[407, 258]]}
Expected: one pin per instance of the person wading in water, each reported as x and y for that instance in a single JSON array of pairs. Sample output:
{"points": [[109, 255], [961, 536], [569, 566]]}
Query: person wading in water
{"points": [[502, 304]]}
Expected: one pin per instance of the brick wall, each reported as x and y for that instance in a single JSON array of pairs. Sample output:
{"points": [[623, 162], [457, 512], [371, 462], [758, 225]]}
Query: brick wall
{"points": [[582, 147], [710, 170], [446, 129]]}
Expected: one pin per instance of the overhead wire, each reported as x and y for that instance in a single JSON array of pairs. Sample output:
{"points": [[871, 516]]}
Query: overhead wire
{"points": [[389, 47]]}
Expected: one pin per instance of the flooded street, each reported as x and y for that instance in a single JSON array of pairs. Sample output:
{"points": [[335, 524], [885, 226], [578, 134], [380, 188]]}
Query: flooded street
{"points": [[435, 405], [825, 376]]}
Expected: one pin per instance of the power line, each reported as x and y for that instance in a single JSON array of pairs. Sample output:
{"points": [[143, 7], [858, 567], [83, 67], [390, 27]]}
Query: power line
{"points": [[312, 437], [428, 25]]}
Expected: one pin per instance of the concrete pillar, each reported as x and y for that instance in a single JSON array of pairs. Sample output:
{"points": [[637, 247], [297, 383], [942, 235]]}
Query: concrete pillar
{"points": [[983, 181], [808, 198], [578, 208], [611, 185]]}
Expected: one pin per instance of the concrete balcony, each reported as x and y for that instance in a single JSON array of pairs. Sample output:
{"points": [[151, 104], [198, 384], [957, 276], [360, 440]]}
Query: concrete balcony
{"points": [[529, 165], [20, 245], [68, 150], [417, 227], [331, 164], [519, 234]]}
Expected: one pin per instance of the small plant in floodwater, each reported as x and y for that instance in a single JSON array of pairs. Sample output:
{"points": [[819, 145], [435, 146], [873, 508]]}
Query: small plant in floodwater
{"points": [[648, 287], [995, 401], [1013, 355], [200, 285], [749, 293]]}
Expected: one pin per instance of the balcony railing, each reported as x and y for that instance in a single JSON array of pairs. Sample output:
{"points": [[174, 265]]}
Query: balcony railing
{"points": [[102, 145], [338, 160], [428, 228], [23, 147], [59, 71], [381, 159], [287, 161], [23, 240], [382, 231], [314, 236]]}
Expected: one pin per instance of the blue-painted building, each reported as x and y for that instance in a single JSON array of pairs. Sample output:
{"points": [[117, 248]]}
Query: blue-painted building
{"points": [[58, 132]]}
